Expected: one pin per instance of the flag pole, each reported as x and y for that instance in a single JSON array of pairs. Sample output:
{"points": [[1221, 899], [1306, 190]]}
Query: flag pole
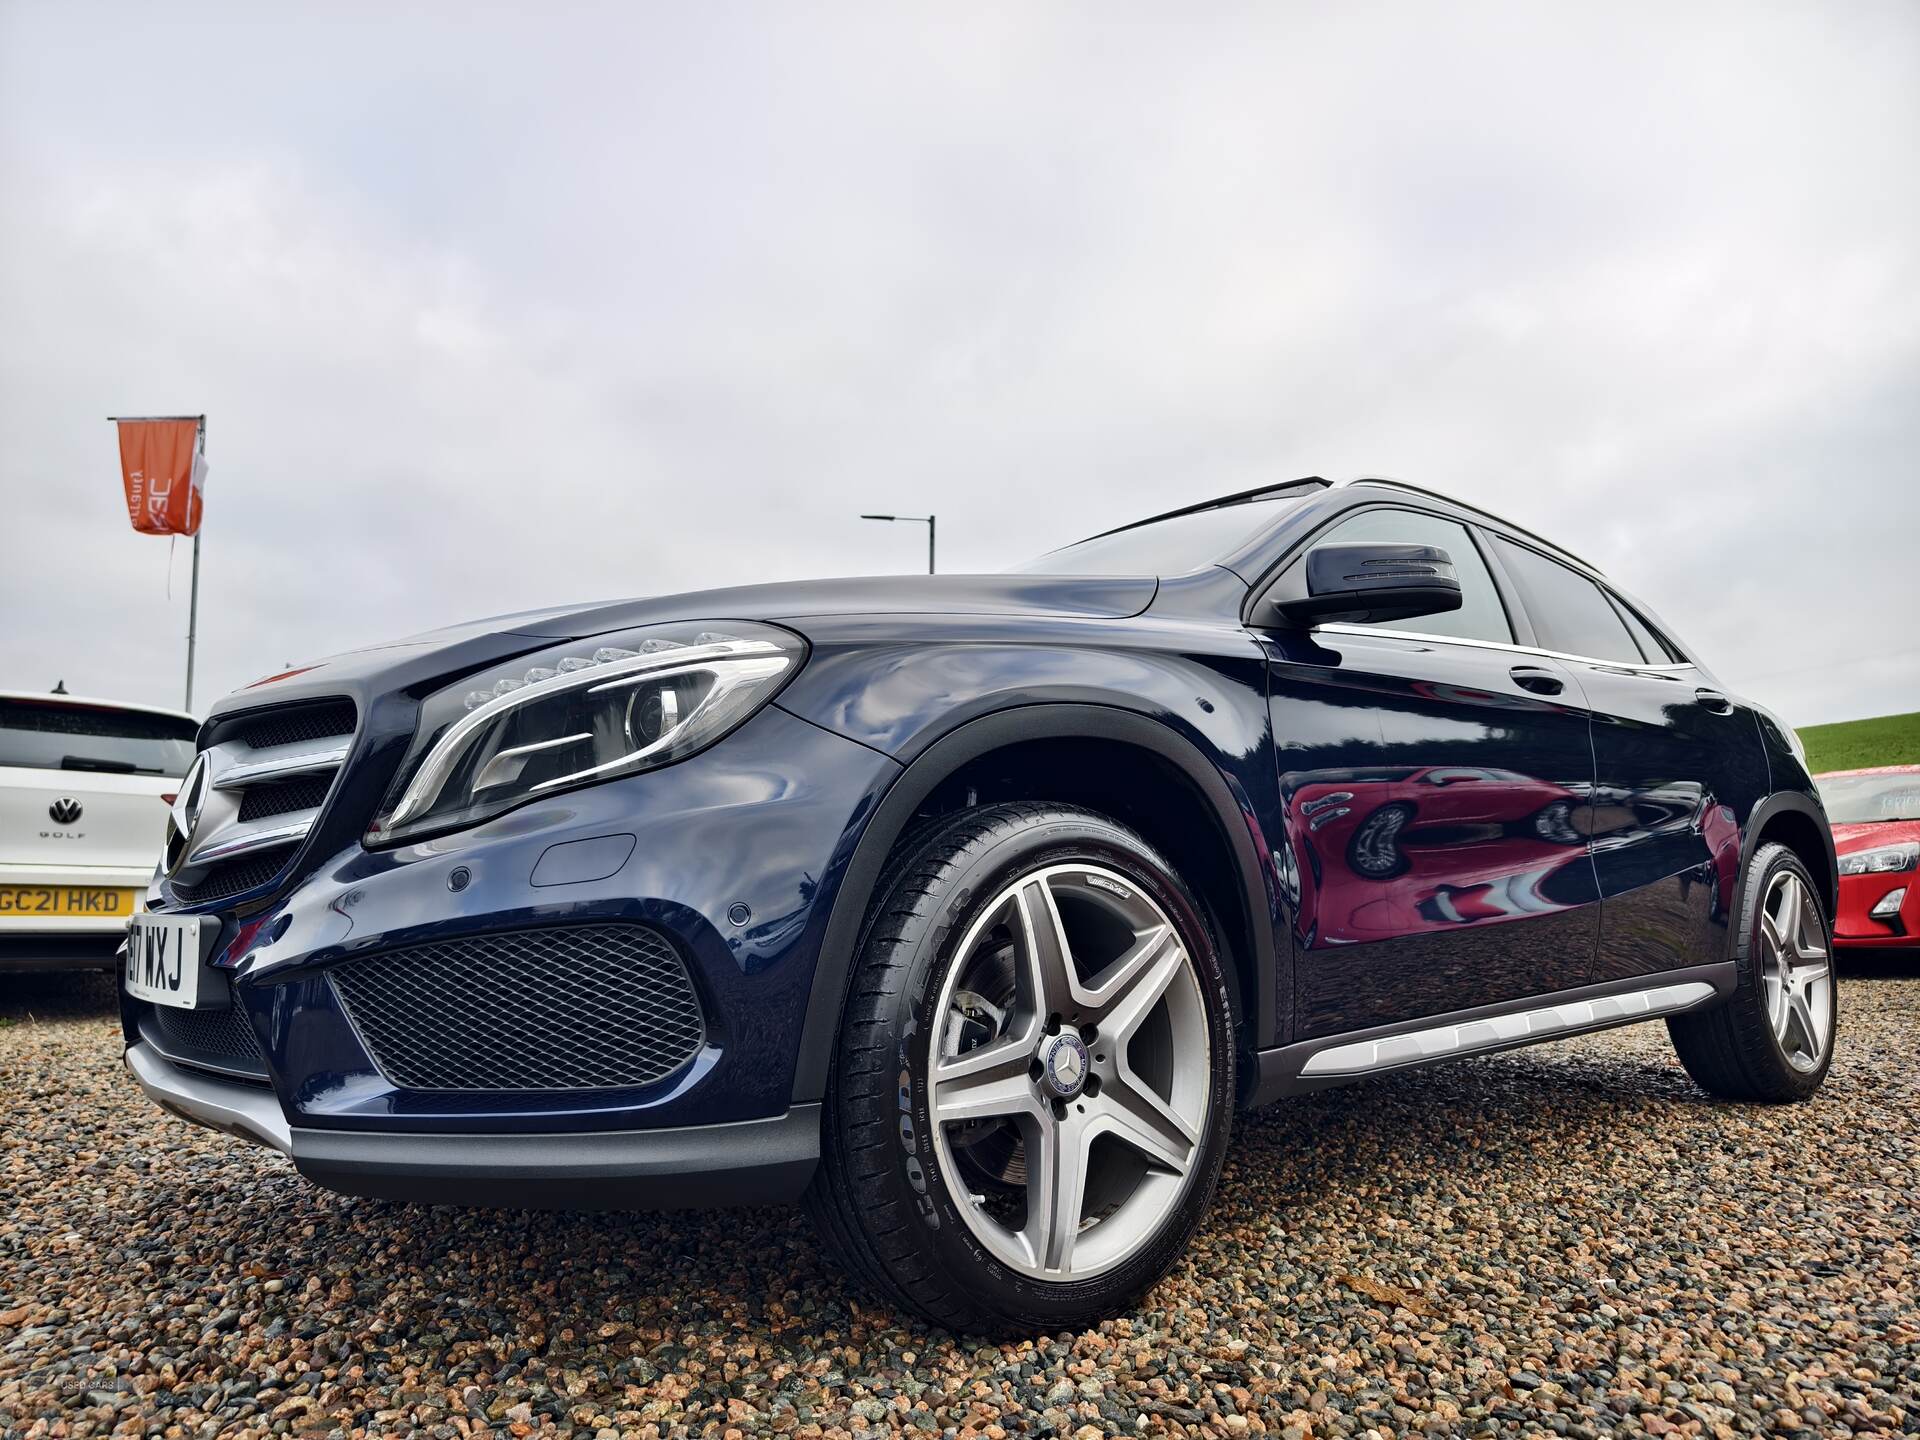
{"points": [[193, 602]]}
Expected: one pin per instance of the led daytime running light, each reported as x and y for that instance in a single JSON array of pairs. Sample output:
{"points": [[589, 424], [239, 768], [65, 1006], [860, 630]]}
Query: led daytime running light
{"points": [[605, 655]]}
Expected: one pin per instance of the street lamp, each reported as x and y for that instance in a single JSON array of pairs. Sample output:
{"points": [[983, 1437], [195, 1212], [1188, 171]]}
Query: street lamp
{"points": [[926, 520]]}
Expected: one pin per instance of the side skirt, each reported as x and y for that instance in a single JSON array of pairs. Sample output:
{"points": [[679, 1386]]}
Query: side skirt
{"points": [[1308, 1065]]}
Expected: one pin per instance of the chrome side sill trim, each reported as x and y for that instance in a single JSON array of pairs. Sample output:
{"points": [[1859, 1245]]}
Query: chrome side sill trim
{"points": [[1366, 1056], [1324, 1060]]}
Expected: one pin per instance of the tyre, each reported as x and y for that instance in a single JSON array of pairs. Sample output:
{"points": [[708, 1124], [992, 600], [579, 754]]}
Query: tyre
{"points": [[1773, 1039], [1034, 1082]]}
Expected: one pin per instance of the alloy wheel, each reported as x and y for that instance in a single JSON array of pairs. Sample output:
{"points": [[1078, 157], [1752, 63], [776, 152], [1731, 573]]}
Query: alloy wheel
{"points": [[1068, 1081], [1796, 971]]}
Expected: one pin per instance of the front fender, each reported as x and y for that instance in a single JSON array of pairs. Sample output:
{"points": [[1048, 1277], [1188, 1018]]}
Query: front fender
{"points": [[1196, 699], [902, 693]]}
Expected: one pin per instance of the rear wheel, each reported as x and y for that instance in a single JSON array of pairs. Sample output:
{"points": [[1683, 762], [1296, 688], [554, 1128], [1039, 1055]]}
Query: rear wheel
{"points": [[1774, 1038], [1031, 1100]]}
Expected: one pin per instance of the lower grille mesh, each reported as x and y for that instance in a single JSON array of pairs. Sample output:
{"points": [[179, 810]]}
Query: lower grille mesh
{"points": [[583, 1007], [212, 1037], [231, 877]]}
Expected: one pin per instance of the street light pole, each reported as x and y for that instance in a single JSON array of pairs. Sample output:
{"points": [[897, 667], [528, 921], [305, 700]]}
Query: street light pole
{"points": [[926, 520]]}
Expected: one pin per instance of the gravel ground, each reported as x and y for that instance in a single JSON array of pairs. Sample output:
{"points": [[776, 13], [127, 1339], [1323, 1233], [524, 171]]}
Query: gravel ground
{"points": [[1570, 1240]]}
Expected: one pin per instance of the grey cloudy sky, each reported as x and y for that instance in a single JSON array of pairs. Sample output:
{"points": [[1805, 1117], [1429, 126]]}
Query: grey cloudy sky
{"points": [[492, 308]]}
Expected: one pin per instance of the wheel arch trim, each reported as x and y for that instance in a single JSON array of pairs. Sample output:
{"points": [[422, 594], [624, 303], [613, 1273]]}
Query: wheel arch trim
{"points": [[1788, 802], [946, 756]]}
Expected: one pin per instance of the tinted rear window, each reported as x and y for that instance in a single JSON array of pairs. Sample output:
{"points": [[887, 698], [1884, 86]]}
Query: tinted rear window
{"points": [[1570, 613], [1652, 642], [1178, 545], [47, 735]]}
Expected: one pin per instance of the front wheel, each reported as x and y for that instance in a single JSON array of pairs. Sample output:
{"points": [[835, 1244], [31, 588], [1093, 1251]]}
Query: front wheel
{"points": [[1031, 1099], [1773, 1038]]}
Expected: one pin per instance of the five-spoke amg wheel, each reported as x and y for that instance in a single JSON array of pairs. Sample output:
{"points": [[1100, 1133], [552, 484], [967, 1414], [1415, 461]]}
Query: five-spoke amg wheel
{"points": [[1035, 1081], [1070, 1111], [1774, 1039]]}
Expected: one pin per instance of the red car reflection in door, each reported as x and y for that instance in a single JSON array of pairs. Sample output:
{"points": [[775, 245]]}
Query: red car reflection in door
{"points": [[1429, 848]]}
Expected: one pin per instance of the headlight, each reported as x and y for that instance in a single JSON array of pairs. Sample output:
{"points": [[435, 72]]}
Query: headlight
{"points": [[1887, 860], [579, 714]]}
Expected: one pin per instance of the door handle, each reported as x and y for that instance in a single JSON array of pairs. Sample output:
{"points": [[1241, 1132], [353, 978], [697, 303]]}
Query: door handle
{"points": [[1540, 682], [1713, 700]]}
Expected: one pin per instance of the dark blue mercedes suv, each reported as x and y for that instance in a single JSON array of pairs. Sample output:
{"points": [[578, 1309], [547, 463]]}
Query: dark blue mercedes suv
{"points": [[971, 908]]}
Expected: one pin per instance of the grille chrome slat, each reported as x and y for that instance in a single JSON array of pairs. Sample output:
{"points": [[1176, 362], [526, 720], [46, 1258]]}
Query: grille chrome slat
{"points": [[244, 840], [271, 765], [579, 1007]]}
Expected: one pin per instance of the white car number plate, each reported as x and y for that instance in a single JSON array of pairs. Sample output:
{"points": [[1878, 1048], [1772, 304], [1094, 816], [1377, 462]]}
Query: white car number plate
{"points": [[163, 959]]}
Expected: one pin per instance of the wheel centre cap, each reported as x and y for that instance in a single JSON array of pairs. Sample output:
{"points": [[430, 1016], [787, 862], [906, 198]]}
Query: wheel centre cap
{"points": [[1064, 1064]]}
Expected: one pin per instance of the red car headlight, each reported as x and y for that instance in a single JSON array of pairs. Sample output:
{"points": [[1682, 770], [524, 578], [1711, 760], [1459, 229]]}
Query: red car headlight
{"points": [[1882, 860]]}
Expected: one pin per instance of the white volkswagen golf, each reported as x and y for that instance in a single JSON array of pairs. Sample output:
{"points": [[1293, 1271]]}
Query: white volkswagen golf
{"points": [[84, 791]]}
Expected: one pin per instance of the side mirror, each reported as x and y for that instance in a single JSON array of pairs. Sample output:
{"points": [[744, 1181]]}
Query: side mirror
{"points": [[1367, 582]]}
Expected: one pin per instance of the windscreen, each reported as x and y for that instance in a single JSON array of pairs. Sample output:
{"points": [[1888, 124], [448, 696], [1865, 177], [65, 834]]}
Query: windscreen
{"points": [[49, 735], [1867, 799], [1176, 545]]}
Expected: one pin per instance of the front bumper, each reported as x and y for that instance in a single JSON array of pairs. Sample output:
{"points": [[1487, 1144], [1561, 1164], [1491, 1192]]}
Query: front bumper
{"points": [[746, 1162], [733, 858]]}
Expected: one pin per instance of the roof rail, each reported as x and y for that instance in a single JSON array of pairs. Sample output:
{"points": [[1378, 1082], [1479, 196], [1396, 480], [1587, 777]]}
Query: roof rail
{"points": [[1241, 497], [1386, 484]]}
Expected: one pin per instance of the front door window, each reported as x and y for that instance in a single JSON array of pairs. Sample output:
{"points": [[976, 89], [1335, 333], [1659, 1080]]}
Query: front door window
{"points": [[1481, 615]]}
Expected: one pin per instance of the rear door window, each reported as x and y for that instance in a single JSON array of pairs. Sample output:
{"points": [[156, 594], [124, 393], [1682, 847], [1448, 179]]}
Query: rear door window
{"points": [[49, 735], [1650, 641], [1570, 613], [1481, 616]]}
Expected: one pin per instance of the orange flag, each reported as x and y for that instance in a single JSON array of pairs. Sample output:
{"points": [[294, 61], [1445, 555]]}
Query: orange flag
{"points": [[164, 475]]}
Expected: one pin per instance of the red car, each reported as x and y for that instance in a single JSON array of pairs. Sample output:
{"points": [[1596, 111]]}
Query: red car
{"points": [[1876, 834]]}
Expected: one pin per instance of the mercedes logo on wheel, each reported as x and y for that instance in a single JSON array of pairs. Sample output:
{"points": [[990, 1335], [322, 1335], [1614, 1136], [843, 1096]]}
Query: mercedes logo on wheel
{"points": [[64, 811], [184, 814], [1064, 1066]]}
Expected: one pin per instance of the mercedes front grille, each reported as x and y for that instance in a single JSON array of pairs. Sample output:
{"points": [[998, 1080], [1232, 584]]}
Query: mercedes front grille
{"points": [[267, 779]]}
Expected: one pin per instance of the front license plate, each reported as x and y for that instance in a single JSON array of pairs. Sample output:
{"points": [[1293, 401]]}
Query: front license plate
{"points": [[100, 902], [163, 959]]}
